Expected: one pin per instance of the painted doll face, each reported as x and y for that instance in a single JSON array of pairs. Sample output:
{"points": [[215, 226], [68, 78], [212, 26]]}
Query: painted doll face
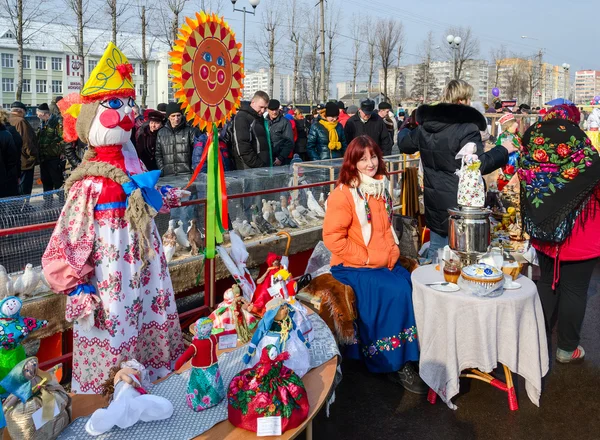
{"points": [[113, 122], [272, 352], [30, 368], [203, 328], [11, 307], [212, 76], [281, 313]]}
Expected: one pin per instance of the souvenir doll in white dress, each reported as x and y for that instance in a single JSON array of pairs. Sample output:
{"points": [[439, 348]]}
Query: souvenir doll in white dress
{"points": [[279, 328], [105, 252], [129, 401]]}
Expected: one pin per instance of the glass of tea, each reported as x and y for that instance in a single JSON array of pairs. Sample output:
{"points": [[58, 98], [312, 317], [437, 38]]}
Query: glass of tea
{"points": [[452, 271]]}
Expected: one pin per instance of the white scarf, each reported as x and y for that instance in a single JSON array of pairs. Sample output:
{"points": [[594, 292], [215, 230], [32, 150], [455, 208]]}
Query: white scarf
{"points": [[369, 187]]}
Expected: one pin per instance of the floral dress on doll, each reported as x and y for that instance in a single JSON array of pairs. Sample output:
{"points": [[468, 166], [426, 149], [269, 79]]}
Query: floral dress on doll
{"points": [[205, 388], [231, 315], [105, 252], [268, 389]]}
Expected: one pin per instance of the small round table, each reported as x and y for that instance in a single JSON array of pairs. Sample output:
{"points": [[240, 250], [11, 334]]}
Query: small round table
{"points": [[459, 331]]}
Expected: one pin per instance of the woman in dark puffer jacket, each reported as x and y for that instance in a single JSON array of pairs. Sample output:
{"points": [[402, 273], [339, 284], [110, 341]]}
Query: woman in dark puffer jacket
{"points": [[326, 139], [443, 129]]}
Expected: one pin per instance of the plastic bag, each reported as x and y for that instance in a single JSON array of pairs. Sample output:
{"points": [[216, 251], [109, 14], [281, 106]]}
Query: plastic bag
{"points": [[318, 263], [471, 189]]}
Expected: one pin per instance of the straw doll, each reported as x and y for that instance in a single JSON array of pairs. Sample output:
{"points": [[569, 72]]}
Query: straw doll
{"points": [[105, 252]]}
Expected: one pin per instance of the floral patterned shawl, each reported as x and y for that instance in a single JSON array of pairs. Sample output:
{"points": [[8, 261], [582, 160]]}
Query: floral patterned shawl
{"points": [[559, 170]]}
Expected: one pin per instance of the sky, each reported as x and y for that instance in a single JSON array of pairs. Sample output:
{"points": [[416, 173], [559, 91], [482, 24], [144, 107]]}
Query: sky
{"points": [[568, 32]]}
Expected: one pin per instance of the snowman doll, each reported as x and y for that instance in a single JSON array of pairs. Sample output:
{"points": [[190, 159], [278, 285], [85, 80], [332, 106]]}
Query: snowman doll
{"points": [[105, 252]]}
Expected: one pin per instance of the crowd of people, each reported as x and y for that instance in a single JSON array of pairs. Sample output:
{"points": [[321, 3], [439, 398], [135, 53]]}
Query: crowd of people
{"points": [[263, 133]]}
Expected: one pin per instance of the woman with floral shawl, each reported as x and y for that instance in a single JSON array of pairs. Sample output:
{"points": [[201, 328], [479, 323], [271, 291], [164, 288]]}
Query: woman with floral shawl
{"points": [[560, 198]]}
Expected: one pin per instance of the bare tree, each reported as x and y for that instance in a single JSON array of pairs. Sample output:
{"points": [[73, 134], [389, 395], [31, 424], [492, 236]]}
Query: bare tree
{"points": [[468, 48], [267, 42], [389, 34], [534, 74], [498, 57], [145, 15], [425, 87], [371, 51], [516, 78], [334, 15], [144, 60], [83, 15], [115, 11], [170, 10], [356, 61], [22, 13], [297, 43], [311, 59], [211, 6]]}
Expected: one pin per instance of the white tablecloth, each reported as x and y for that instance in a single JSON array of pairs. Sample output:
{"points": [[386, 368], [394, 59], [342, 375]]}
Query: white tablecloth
{"points": [[458, 331]]}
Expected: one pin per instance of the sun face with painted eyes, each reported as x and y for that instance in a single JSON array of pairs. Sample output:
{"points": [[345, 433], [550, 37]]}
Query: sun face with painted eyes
{"points": [[207, 70], [212, 71]]}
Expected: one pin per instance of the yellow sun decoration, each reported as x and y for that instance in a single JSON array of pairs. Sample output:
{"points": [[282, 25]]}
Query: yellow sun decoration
{"points": [[207, 70]]}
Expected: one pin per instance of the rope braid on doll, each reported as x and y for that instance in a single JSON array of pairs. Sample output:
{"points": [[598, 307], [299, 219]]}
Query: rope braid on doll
{"points": [[108, 387], [138, 213], [241, 326], [286, 327]]}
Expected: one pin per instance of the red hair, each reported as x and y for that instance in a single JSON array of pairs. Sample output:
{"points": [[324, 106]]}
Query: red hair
{"points": [[354, 153]]}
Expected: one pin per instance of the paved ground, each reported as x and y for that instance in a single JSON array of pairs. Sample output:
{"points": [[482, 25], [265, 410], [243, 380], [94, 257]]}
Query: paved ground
{"points": [[368, 407]]}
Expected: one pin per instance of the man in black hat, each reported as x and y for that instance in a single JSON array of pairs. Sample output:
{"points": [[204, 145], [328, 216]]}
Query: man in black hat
{"points": [[51, 151], [174, 143], [146, 141], [368, 122], [280, 133], [29, 151], [162, 107], [385, 109]]}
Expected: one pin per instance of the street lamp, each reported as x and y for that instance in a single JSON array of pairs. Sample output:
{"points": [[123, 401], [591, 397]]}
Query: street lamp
{"points": [[454, 42], [254, 4], [566, 68]]}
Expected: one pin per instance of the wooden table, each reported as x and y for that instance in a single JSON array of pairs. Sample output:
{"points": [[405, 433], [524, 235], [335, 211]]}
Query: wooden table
{"points": [[318, 383]]}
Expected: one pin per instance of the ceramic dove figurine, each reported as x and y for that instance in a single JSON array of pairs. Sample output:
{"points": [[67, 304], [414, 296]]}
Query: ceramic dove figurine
{"points": [[182, 239]]}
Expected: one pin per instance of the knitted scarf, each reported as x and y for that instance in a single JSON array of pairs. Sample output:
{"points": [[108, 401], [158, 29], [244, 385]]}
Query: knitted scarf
{"points": [[361, 192], [334, 141], [559, 172]]}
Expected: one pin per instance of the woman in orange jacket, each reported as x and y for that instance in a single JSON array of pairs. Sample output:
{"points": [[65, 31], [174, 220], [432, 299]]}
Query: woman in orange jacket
{"points": [[358, 231]]}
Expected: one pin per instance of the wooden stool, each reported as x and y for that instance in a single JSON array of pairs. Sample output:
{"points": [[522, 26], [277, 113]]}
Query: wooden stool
{"points": [[507, 387]]}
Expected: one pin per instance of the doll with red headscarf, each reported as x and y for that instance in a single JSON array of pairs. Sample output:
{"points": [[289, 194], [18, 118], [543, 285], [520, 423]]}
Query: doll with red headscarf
{"points": [[269, 389], [261, 295], [105, 252]]}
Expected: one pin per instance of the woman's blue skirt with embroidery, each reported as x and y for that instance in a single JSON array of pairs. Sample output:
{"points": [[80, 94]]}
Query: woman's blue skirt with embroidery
{"points": [[386, 331]]}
